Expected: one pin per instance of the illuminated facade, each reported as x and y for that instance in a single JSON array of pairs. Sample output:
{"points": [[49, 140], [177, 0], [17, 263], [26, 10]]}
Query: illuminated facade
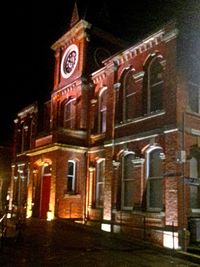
{"points": [[119, 144]]}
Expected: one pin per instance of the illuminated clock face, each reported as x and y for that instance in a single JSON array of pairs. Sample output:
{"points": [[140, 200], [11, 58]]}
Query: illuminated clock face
{"points": [[69, 61]]}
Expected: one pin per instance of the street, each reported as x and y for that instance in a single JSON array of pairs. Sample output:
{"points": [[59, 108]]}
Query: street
{"points": [[58, 243]]}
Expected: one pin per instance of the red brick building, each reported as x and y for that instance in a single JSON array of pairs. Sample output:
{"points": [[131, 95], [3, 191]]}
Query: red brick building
{"points": [[119, 144]]}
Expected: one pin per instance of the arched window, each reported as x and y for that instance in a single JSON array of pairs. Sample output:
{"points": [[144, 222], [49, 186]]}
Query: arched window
{"points": [[127, 197], [102, 110], [25, 138], [19, 139], [154, 175], [194, 96], [153, 84], [71, 176], [100, 168], [127, 104], [47, 169], [195, 185], [70, 114]]}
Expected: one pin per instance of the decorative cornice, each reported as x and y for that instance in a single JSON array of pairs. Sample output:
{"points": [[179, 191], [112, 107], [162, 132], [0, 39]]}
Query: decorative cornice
{"points": [[30, 109], [54, 147], [69, 87], [170, 35], [99, 75], [137, 49], [77, 30], [65, 90]]}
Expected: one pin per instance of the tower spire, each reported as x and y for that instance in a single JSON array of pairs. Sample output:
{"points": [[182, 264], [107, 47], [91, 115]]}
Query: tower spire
{"points": [[75, 15]]}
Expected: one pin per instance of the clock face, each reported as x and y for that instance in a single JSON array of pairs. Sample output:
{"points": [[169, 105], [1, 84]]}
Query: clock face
{"points": [[69, 61], [101, 54]]}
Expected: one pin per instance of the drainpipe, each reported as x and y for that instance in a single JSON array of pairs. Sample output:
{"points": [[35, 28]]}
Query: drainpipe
{"points": [[185, 233]]}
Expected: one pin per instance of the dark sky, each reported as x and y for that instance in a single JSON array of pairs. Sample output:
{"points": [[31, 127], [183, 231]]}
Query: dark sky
{"points": [[30, 29]]}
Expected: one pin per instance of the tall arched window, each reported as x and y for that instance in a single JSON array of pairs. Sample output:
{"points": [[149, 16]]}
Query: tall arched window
{"points": [[26, 137], [102, 110], [71, 176], [127, 197], [153, 84], [129, 96], [154, 177], [127, 108], [195, 185], [100, 169], [194, 96], [70, 114]]}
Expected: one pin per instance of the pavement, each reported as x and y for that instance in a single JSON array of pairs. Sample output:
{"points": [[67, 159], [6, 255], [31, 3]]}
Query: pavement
{"points": [[62, 243]]}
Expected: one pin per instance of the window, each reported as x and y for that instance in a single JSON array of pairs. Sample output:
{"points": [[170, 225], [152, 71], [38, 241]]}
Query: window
{"points": [[127, 181], [194, 97], [47, 169], [195, 185], [25, 138], [71, 177], [154, 179], [70, 114], [100, 182], [127, 98], [153, 84], [19, 139], [102, 110]]}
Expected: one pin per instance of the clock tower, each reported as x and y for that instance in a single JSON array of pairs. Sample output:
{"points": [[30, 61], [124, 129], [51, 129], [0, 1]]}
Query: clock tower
{"points": [[78, 53], [81, 50], [69, 52]]}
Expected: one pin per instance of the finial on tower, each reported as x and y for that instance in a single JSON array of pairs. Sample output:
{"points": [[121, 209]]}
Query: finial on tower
{"points": [[75, 16]]}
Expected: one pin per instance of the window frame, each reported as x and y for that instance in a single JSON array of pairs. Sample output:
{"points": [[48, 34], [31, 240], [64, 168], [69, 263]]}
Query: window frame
{"points": [[123, 181], [193, 209], [148, 86], [69, 122], [149, 179], [102, 111], [99, 182], [71, 190], [195, 109], [127, 95]]}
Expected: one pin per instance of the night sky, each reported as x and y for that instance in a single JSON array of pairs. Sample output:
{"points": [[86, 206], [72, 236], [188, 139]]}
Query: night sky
{"points": [[28, 31]]}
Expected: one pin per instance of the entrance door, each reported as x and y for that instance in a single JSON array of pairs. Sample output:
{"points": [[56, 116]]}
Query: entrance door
{"points": [[45, 196]]}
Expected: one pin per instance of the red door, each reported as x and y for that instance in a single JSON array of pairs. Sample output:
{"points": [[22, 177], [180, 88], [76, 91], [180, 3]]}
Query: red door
{"points": [[45, 195]]}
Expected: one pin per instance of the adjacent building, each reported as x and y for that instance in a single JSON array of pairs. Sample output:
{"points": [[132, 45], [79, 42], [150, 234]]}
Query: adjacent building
{"points": [[118, 142], [5, 161]]}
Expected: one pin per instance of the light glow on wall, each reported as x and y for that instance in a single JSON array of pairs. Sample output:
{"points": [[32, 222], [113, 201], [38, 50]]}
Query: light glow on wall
{"points": [[106, 227], [170, 240], [29, 204], [50, 216], [9, 215], [28, 213]]}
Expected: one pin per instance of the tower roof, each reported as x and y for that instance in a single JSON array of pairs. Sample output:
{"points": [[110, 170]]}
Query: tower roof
{"points": [[75, 15]]}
